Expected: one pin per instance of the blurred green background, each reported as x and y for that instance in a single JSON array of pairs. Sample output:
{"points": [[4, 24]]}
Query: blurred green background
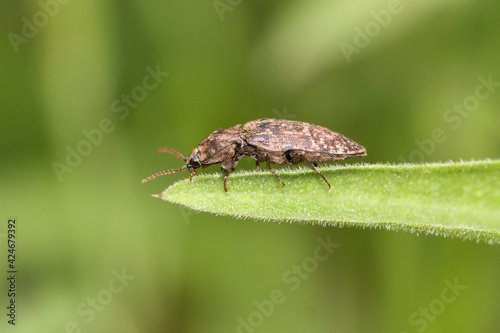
{"points": [[82, 116]]}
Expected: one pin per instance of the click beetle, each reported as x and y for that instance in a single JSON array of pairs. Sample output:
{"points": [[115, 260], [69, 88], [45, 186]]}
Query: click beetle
{"points": [[275, 141]]}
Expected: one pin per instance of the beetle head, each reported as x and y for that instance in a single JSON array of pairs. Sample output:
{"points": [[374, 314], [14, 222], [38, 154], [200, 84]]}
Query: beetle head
{"points": [[192, 164]]}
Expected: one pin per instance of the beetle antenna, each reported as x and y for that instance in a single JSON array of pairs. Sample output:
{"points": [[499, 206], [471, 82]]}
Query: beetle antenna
{"points": [[166, 172], [171, 151]]}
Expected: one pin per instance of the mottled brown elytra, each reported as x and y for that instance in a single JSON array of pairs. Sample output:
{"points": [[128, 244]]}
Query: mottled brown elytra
{"points": [[275, 141]]}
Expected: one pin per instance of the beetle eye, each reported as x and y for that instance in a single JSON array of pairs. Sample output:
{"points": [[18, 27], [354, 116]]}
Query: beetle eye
{"points": [[194, 163]]}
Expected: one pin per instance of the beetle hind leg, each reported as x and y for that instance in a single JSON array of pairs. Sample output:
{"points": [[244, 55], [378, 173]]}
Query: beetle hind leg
{"points": [[319, 173], [295, 158]]}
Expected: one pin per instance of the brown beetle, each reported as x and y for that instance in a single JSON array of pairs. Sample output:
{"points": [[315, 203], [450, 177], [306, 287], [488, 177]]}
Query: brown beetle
{"points": [[268, 140]]}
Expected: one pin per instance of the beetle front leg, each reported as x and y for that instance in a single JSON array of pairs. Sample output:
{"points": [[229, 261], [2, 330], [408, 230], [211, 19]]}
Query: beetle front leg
{"points": [[224, 168]]}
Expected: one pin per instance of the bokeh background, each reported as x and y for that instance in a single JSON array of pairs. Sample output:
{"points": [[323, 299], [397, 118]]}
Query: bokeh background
{"points": [[72, 69]]}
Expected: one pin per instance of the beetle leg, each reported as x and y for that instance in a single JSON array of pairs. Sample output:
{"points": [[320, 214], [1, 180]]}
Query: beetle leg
{"points": [[227, 173], [258, 166], [319, 173], [269, 167], [224, 168]]}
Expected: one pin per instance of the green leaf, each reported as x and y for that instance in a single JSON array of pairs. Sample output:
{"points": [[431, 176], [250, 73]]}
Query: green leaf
{"points": [[459, 200]]}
